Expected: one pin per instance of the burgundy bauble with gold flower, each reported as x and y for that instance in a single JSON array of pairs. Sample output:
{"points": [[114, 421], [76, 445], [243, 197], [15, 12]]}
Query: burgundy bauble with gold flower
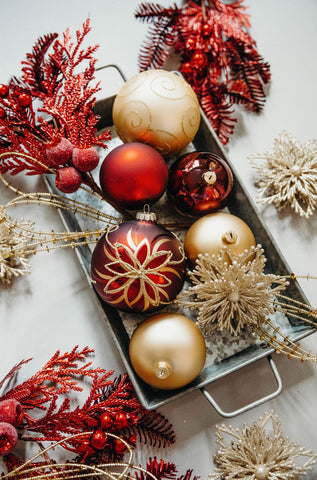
{"points": [[138, 266], [199, 183]]}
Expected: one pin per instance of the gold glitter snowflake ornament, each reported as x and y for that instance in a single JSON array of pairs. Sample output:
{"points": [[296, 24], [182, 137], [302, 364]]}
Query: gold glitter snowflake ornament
{"points": [[288, 177], [231, 291], [14, 236], [255, 454]]}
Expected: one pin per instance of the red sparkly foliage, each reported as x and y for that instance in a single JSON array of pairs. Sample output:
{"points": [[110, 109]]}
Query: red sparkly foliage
{"points": [[56, 80], [163, 470], [49, 415], [218, 57]]}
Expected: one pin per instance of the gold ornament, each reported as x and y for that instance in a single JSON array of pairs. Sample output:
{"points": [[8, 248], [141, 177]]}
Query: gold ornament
{"points": [[288, 177], [167, 351], [254, 454], [231, 295], [159, 108], [215, 231], [232, 292]]}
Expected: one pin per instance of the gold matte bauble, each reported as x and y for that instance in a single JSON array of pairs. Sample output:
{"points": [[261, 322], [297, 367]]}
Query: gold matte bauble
{"points": [[213, 232], [159, 108], [167, 351]]}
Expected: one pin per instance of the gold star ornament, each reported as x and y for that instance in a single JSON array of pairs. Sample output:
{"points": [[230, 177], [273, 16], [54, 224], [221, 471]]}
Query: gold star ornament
{"points": [[259, 452], [287, 177]]}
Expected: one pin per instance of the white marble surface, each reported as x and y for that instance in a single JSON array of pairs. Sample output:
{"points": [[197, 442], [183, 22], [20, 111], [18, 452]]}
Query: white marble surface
{"points": [[53, 308]]}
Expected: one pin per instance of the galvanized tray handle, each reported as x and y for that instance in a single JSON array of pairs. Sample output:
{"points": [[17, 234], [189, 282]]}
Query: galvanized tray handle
{"points": [[256, 403]]}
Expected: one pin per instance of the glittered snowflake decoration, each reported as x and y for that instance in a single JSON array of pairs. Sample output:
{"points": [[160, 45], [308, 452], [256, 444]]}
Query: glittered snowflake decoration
{"points": [[288, 175], [256, 454], [14, 236], [231, 291]]}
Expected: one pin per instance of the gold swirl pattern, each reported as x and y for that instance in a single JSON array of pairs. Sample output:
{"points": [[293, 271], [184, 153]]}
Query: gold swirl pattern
{"points": [[161, 109]]}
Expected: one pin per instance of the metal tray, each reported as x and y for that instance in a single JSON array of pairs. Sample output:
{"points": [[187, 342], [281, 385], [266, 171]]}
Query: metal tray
{"points": [[226, 354]]}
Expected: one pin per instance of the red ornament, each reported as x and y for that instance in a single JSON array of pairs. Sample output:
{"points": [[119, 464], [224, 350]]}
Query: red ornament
{"points": [[133, 174], [106, 420], [138, 266], [121, 420], [68, 179], [85, 159], [84, 448], [4, 91], [199, 183], [60, 153], [24, 100], [119, 446], [8, 438], [11, 412], [99, 440], [2, 113]]}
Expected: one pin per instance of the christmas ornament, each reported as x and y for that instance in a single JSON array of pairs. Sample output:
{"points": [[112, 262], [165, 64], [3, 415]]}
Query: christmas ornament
{"points": [[50, 416], [288, 175], [199, 183], [133, 174], [138, 266], [8, 438], [158, 108], [218, 57], [232, 295], [56, 77], [167, 351], [212, 232], [255, 454]]}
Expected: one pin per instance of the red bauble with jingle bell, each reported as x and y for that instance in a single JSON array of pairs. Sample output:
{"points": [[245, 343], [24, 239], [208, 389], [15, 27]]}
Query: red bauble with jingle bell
{"points": [[199, 183], [133, 174], [138, 266]]}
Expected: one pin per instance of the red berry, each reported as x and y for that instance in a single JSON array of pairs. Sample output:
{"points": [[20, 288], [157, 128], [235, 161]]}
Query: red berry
{"points": [[106, 420], [61, 152], [187, 68], [24, 100], [190, 43], [4, 91], [2, 113], [199, 60], [85, 449], [119, 446], [121, 420], [8, 438], [68, 179], [132, 439], [206, 30], [85, 159], [11, 412], [99, 440]]}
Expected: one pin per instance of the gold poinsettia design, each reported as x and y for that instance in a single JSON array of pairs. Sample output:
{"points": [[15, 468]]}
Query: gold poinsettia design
{"points": [[150, 269]]}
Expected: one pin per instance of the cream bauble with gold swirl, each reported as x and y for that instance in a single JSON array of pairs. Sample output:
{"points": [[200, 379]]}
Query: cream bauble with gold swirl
{"points": [[159, 108]]}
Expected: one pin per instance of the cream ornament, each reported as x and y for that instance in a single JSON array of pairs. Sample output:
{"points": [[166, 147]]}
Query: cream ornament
{"points": [[288, 175], [159, 108]]}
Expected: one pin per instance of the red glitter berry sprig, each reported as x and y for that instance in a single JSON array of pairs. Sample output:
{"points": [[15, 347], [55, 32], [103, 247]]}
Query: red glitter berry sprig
{"points": [[58, 74], [32, 411], [218, 57]]}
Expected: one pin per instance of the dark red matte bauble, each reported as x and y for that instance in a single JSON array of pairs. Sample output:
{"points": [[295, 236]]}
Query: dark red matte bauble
{"points": [[138, 266], [133, 174], [199, 183]]}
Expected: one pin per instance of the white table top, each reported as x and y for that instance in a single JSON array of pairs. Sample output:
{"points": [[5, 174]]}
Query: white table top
{"points": [[53, 308]]}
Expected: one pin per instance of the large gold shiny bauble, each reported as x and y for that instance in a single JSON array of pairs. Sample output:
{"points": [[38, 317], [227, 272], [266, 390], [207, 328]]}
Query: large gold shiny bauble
{"points": [[159, 108], [213, 232], [167, 351]]}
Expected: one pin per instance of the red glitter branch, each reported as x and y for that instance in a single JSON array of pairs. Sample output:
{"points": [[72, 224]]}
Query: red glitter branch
{"points": [[111, 406], [217, 55], [56, 80]]}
